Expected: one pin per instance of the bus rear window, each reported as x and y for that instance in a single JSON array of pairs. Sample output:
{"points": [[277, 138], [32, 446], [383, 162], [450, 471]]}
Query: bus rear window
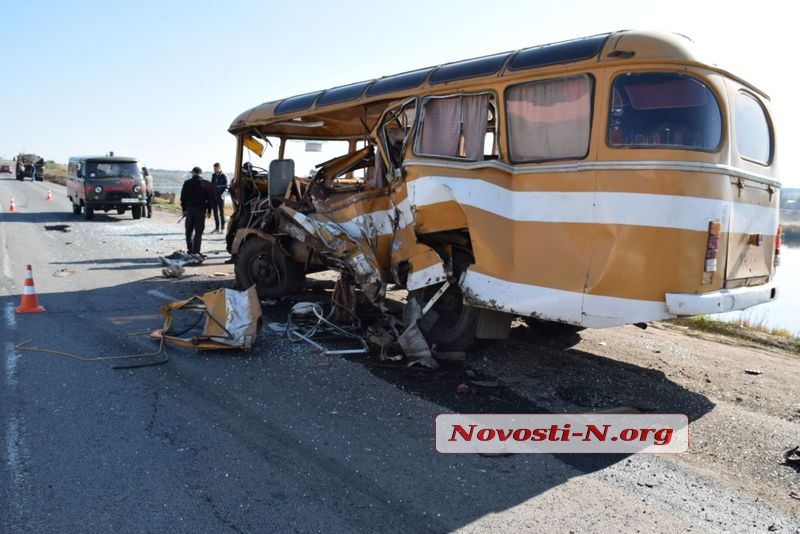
{"points": [[753, 139], [668, 110]]}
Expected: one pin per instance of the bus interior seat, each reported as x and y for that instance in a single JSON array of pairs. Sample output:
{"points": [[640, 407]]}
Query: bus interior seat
{"points": [[281, 174]]}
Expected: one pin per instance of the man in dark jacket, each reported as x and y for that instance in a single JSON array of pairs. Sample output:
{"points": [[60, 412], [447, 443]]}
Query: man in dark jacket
{"points": [[220, 183], [196, 201]]}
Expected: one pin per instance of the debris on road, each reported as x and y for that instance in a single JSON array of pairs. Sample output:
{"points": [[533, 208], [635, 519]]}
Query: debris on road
{"points": [[174, 263], [485, 383], [754, 371], [791, 457], [160, 352], [231, 320], [306, 319]]}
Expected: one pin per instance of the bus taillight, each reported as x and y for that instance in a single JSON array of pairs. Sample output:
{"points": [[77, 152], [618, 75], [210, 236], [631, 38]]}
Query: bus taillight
{"points": [[712, 245], [778, 239]]}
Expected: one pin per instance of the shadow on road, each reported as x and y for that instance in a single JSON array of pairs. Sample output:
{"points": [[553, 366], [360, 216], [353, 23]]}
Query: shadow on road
{"points": [[330, 436]]}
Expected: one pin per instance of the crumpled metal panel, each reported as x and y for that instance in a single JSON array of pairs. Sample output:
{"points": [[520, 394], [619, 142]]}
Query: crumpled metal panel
{"points": [[231, 320], [330, 238]]}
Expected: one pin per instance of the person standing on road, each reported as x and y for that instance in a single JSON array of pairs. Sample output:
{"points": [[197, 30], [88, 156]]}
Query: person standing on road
{"points": [[220, 182], [196, 201], [148, 182]]}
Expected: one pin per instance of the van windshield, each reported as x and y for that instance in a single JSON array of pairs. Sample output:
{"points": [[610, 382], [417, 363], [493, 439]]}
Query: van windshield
{"points": [[114, 169]]}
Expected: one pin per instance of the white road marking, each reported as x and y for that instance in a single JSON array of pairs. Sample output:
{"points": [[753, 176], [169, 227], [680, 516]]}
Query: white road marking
{"points": [[13, 450], [11, 358], [159, 294]]}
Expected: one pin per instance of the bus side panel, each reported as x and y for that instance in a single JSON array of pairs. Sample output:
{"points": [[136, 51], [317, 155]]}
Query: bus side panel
{"points": [[753, 226]]}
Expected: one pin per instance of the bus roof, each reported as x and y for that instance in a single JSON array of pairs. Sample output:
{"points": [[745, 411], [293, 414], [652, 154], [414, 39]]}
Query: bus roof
{"points": [[329, 113]]}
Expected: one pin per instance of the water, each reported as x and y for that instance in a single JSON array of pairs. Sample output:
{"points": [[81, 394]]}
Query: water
{"points": [[782, 312], [171, 181]]}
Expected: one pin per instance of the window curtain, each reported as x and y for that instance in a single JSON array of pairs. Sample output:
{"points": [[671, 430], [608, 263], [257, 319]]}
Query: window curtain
{"points": [[455, 126], [475, 117], [549, 120], [441, 127]]}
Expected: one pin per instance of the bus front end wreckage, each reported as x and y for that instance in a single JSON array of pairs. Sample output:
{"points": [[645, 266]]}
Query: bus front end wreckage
{"points": [[588, 183]]}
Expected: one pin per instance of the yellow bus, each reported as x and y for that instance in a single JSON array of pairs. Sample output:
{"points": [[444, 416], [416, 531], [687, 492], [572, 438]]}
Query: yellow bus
{"points": [[601, 181]]}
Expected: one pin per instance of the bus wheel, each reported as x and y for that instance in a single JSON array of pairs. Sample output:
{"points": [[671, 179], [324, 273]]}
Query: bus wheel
{"points": [[269, 268], [135, 210], [455, 322]]}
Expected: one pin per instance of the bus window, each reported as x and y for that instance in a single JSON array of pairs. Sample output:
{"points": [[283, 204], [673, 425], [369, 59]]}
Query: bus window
{"points": [[394, 130], [549, 119], [666, 109], [753, 137], [457, 127]]}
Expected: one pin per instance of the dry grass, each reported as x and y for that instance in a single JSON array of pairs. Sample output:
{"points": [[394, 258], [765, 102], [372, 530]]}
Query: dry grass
{"points": [[56, 173], [746, 329]]}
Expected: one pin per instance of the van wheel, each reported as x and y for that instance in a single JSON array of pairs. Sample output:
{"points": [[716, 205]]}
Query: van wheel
{"points": [[88, 213], [269, 268], [456, 323], [135, 210], [76, 209]]}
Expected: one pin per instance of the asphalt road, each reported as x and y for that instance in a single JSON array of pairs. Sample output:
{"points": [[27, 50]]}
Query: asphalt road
{"points": [[278, 440]]}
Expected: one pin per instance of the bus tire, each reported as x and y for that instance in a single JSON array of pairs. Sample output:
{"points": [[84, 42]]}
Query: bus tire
{"points": [[136, 211], [455, 327], [269, 268]]}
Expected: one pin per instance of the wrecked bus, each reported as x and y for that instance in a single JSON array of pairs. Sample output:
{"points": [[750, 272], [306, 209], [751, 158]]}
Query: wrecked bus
{"points": [[596, 182]]}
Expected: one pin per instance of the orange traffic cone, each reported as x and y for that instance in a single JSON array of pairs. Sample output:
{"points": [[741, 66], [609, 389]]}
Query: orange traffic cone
{"points": [[13, 207], [30, 302], [49, 195]]}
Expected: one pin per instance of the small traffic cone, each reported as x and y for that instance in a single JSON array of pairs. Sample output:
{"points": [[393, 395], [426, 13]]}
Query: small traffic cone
{"points": [[49, 195], [30, 302], [13, 207]]}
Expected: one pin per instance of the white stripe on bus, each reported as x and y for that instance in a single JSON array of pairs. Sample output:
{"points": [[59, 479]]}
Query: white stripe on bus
{"points": [[594, 311], [430, 275], [634, 209]]}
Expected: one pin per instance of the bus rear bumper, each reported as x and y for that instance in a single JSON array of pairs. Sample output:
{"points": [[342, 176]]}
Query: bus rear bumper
{"points": [[724, 300]]}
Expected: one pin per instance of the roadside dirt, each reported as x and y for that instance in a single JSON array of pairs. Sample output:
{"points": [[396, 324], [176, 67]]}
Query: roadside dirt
{"points": [[742, 398]]}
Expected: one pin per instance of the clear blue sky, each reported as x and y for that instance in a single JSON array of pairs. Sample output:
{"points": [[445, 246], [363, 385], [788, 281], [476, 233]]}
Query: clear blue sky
{"points": [[162, 80]]}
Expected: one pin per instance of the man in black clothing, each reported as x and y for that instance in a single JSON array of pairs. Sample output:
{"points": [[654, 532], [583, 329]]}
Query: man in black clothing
{"points": [[220, 183], [196, 201]]}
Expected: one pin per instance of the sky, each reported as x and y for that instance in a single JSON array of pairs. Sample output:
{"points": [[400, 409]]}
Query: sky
{"points": [[163, 80]]}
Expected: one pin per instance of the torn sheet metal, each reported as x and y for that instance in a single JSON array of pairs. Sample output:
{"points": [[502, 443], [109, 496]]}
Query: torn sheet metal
{"points": [[413, 343], [358, 254], [329, 237], [231, 320]]}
